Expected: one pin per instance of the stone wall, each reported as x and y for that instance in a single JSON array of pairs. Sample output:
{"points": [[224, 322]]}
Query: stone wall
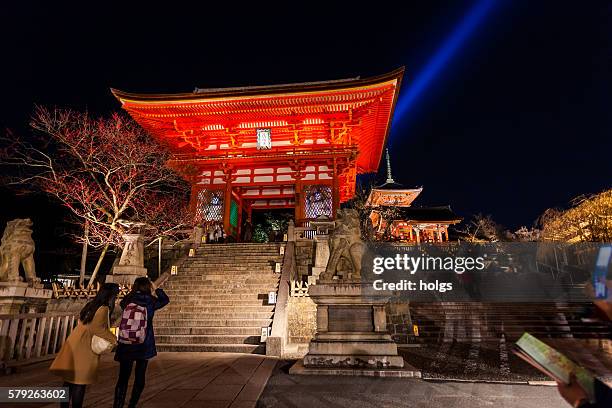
{"points": [[304, 254], [399, 322], [301, 319]]}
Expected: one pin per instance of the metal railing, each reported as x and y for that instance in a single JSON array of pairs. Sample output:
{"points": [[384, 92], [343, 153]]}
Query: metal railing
{"points": [[31, 337]]}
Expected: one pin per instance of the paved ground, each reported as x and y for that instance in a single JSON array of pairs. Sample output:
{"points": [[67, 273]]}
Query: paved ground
{"points": [[284, 390], [495, 360], [212, 380], [237, 380]]}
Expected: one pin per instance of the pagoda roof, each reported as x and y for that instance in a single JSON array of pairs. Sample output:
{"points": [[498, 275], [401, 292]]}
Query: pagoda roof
{"points": [[393, 186], [394, 195], [352, 113], [442, 214]]}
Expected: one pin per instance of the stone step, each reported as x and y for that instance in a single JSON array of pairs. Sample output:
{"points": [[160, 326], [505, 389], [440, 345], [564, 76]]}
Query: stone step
{"points": [[222, 287], [246, 245], [224, 348], [220, 280], [224, 272], [487, 321], [207, 339], [219, 268], [513, 336], [195, 273], [218, 330], [224, 296], [186, 283], [229, 266], [222, 284], [256, 255], [221, 315], [211, 291], [188, 308], [210, 322], [504, 317], [204, 301], [219, 299]]}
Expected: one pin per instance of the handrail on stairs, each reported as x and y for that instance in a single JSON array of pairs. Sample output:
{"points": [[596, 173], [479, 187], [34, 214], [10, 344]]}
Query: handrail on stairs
{"points": [[277, 341]]}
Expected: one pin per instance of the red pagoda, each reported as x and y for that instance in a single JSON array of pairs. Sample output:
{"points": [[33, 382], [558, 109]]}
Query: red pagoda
{"points": [[393, 217], [297, 146]]}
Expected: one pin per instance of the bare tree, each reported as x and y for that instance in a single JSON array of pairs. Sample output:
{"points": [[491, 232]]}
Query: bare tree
{"points": [[106, 171], [481, 227]]}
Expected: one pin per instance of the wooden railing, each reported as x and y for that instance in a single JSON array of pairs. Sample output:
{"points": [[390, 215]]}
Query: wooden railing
{"points": [[82, 293], [32, 337]]}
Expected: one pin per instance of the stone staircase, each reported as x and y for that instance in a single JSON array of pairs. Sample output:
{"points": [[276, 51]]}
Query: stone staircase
{"points": [[218, 299], [474, 321]]}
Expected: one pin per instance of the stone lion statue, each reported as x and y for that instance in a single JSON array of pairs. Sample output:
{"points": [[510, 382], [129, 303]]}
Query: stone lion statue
{"points": [[17, 248], [346, 248]]}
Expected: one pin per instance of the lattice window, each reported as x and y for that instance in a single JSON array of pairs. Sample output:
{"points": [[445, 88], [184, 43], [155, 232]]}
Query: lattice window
{"points": [[317, 201], [209, 206]]}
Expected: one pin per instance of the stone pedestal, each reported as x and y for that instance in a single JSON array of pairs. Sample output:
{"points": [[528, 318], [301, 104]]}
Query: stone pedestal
{"points": [[21, 297], [131, 264], [351, 328], [198, 234], [321, 256], [351, 337]]}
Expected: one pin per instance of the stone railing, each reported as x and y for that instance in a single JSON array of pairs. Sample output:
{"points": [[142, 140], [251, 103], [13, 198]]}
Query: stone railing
{"points": [[277, 341], [33, 337], [305, 233], [299, 289]]}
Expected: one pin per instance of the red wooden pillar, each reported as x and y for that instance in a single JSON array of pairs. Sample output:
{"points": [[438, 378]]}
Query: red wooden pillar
{"points": [[239, 226], [335, 191], [227, 202], [299, 201]]}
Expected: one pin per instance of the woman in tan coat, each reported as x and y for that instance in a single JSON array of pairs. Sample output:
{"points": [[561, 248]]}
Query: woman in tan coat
{"points": [[76, 363]]}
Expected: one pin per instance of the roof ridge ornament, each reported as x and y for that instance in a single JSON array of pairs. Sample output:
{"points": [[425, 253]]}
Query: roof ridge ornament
{"points": [[389, 176]]}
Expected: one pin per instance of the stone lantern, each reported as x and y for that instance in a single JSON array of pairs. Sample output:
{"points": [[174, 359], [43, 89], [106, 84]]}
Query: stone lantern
{"points": [[131, 263]]}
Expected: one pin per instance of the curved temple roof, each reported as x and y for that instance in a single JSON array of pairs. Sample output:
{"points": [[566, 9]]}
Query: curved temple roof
{"points": [[311, 116]]}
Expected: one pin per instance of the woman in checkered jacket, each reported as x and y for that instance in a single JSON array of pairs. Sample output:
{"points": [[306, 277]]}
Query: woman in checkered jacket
{"points": [[136, 337]]}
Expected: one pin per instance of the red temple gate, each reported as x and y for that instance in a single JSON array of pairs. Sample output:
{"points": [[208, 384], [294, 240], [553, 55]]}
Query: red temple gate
{"points": [[296, 146]]}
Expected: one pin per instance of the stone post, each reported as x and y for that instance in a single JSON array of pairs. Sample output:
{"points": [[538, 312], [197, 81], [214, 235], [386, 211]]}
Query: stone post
{"points": [[291, 231], [131, 263], [198, 233]]}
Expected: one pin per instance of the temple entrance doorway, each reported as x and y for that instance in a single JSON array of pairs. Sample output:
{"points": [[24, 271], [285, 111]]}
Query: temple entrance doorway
{"points": [[268, 225]]}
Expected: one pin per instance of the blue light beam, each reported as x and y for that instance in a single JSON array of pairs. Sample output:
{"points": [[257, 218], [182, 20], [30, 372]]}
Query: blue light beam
{"points": [[451, 45]]}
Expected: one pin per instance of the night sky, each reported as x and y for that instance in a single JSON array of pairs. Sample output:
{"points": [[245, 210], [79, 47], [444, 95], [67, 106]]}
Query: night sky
{"points": [[516, 121]]}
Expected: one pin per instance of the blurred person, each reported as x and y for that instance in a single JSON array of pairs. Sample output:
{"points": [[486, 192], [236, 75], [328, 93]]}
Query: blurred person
{"points": [[577, 397], [76, 362], [136, 337]]}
